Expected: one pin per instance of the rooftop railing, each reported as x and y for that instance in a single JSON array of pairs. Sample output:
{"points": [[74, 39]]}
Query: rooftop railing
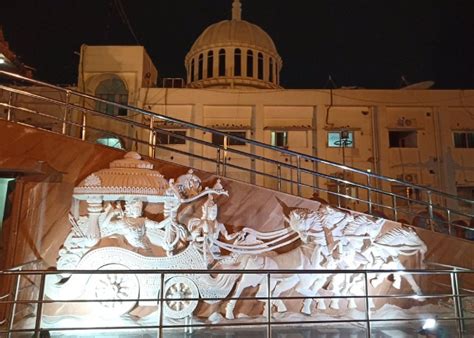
{"points": [[83, 116]]}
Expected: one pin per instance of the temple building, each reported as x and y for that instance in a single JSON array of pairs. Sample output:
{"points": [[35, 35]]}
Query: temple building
{"points": [[415, 134]]}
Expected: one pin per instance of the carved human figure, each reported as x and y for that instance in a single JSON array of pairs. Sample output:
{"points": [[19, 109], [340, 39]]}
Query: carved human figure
{"points": [[129, 223], [189, 184], [207, 229]]}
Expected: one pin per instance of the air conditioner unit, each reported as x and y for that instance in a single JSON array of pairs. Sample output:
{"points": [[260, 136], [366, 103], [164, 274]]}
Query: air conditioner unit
{"points": [[404, 122], [410, 178]]}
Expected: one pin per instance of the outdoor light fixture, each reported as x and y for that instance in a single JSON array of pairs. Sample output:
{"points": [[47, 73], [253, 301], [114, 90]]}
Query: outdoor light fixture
{"points": [[429, 328], [2, 61], [429, 324]]}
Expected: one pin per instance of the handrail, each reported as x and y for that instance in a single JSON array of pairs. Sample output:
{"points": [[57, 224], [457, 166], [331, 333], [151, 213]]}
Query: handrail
{"points": [[237, 138], [431, 205], [365, 295], [21, 266]]}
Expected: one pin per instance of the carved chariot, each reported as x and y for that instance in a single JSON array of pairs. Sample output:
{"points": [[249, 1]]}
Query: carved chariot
{"points": [[118, 238]]}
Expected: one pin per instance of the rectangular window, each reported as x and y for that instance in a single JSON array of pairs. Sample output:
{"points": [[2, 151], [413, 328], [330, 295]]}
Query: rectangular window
{"points": [[403, 139], [464, 139], [405, 191], [466, 193], [280, 139], [163, 138], [339, 139], [219, 139]]}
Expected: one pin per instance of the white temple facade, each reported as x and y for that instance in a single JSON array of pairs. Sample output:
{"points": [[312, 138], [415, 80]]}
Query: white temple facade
{"points": [[233, 74]]}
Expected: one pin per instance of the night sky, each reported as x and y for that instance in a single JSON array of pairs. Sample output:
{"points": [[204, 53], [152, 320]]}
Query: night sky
{"points": [[368, 44]]}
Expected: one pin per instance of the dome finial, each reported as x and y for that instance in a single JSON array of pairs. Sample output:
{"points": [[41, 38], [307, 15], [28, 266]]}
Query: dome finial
{"points": [[236, 10]]}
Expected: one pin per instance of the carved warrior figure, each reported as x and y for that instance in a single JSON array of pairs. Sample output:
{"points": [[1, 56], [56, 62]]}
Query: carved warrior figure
{"points": [[206, 230], [129, 224]]}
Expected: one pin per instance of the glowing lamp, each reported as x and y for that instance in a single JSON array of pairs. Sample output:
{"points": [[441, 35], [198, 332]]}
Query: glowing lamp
{"points": [[429, 324]]}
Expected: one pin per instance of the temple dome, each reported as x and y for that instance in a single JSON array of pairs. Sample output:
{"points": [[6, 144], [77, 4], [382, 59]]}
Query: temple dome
{"points": [[233, 53], [234, 33]]}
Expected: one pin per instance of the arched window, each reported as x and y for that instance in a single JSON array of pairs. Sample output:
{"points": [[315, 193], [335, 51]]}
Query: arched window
{"points": [[270, 71], [210, 64], [249, 63], [222, 62], [260, 66], [237, 62], [192, 70], [112, 90], [200, 65]]}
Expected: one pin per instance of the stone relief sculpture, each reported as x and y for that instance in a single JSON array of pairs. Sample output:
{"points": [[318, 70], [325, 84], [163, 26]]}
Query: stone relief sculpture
{"points": [[329, 239]]}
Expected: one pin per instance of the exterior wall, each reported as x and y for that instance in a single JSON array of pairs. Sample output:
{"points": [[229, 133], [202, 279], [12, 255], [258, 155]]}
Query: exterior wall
{"points": [[308, 115]]}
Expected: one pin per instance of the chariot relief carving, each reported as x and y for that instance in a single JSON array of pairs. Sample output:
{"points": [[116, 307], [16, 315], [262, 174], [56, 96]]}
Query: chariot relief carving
{"points": [[323, 239]]}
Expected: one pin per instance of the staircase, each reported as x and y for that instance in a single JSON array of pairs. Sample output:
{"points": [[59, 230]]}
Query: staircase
{"points": [[83, 116]]}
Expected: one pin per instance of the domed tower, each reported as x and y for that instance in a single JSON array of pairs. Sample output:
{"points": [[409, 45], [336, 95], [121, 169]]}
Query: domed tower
{"points": [[233, 54]]}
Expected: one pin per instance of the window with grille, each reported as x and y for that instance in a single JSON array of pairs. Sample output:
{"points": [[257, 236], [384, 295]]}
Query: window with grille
{"points": [[463, 139], [280, 139], [219, 139]]}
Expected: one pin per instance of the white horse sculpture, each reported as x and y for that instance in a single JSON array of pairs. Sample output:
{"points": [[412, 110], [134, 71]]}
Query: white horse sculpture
{"points": [[332, 239]]}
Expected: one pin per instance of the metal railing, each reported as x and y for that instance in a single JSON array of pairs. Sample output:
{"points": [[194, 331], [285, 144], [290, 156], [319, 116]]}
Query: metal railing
{"points": [[458, 323], [74, 114]]}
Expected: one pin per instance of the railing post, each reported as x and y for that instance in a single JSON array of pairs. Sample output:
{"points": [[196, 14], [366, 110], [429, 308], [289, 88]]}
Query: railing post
{"points": [[457, 302], [9, 111], [279, 176], [152, 138], [66, 112], [298, 174], [39, 308], [162, 299], [367, 306], [84, 124], [224, 160], [13, 307], [269, 308], [430, 210], [394, 208], [369, 194], [218, 162], [448, 217], [338, 190]]}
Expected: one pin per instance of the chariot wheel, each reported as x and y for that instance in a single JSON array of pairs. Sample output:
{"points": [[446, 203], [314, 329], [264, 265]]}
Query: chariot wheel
{"points": [[177, 288], [118, 292]]}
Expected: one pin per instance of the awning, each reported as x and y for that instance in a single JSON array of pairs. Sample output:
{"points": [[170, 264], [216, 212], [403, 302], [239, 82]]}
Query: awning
{"points": [[229, 126], [285, 128]]}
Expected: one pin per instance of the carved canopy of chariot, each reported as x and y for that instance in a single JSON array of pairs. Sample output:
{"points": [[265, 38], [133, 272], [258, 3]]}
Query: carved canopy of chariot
{"points": [[130, 177]]}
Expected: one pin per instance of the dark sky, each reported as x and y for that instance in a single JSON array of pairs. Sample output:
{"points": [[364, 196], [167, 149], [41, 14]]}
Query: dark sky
{"points": [[363, 43]]}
